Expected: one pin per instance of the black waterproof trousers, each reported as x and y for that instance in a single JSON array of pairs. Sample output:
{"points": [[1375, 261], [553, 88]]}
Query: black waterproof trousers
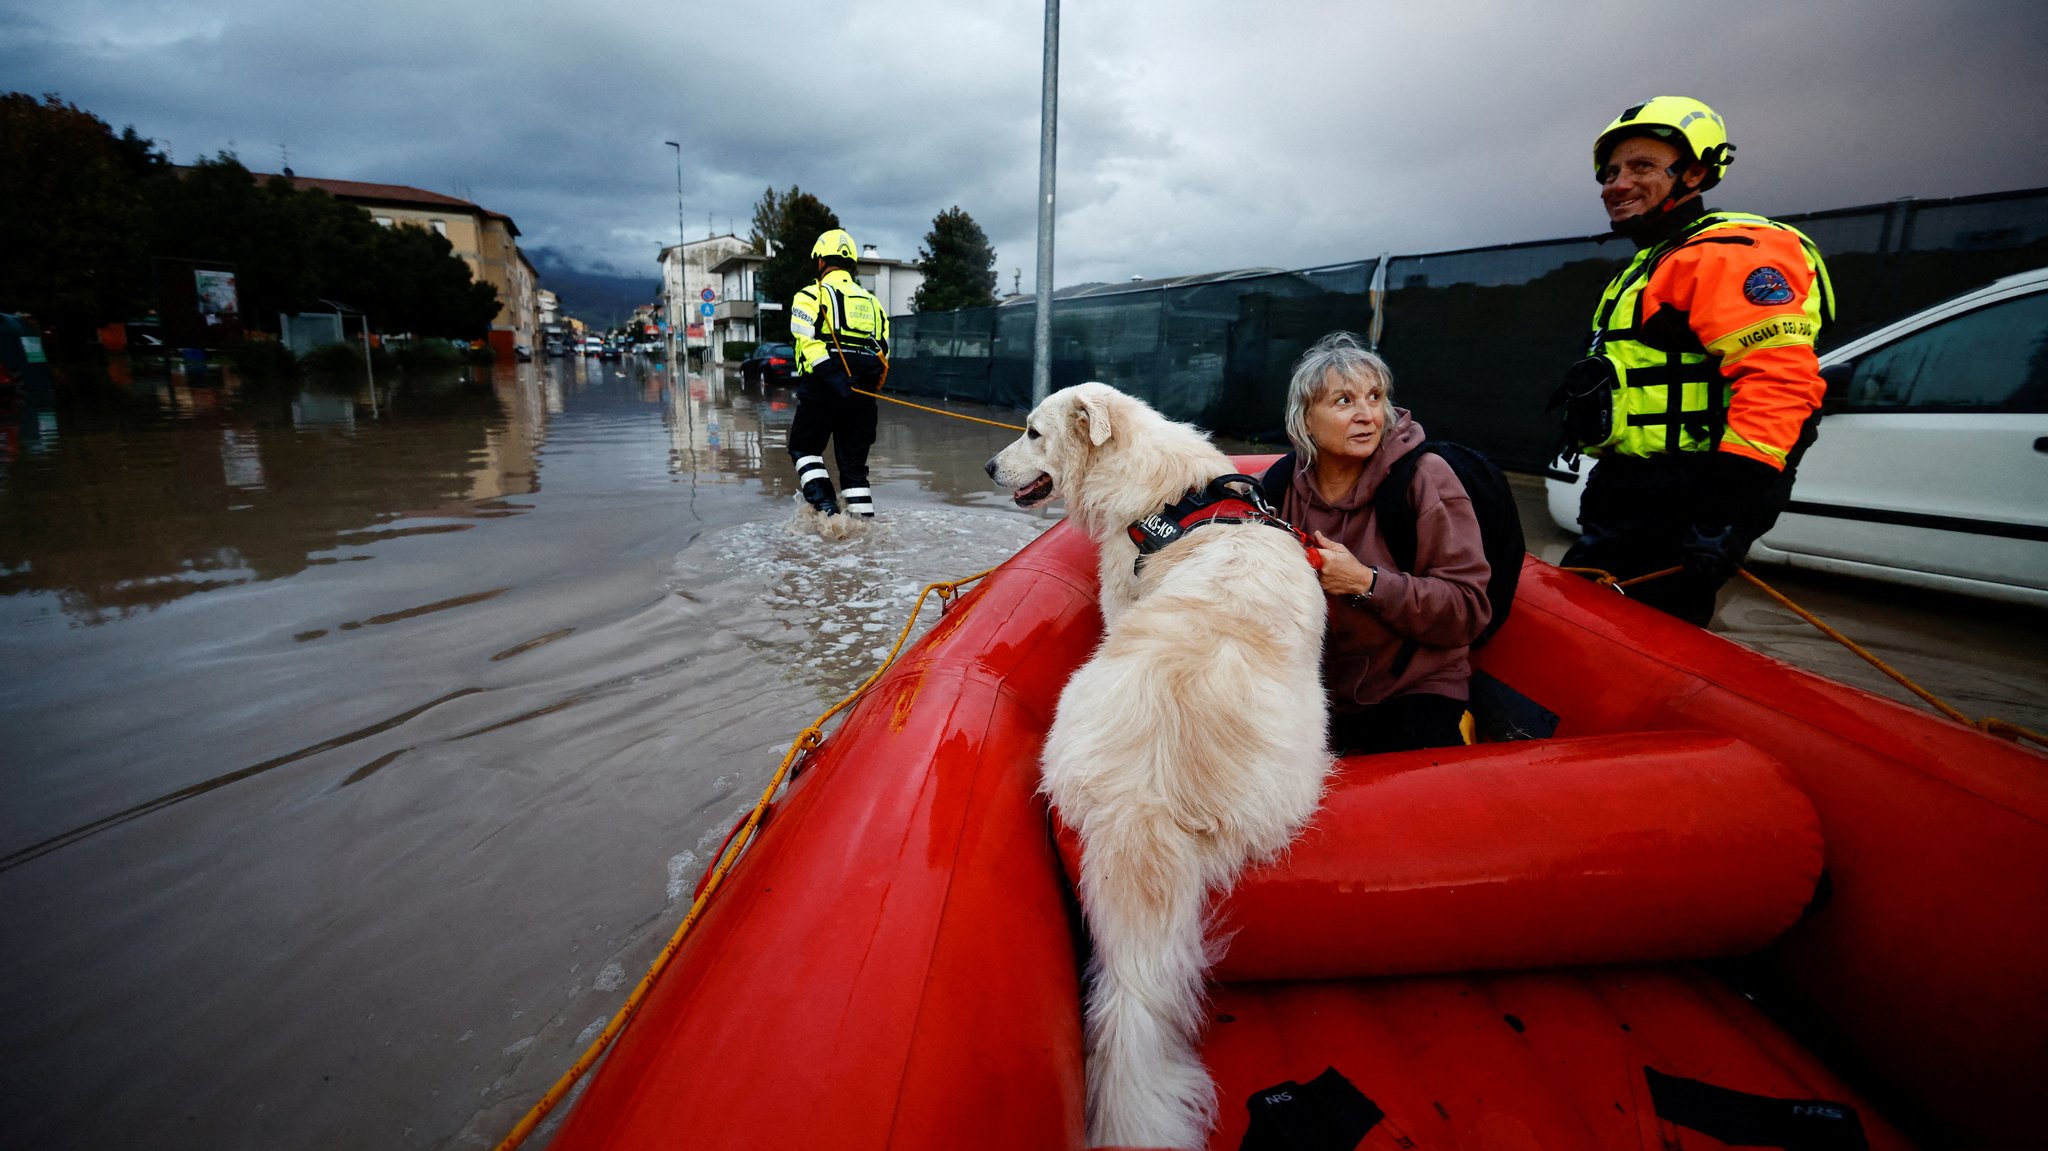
{"points": [[827, 408], [1403, 723], [1633, 520]]}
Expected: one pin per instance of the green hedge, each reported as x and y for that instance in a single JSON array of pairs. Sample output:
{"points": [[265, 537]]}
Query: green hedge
{"points": [[261, 358], [427, 353], [342, 357]]}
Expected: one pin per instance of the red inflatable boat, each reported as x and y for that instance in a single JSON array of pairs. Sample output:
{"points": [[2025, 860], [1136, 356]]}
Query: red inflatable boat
{"points": [[1679, 896]]}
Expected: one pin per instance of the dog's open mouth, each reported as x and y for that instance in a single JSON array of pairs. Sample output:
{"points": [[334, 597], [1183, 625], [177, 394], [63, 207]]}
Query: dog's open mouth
{"points": [[1034, 493]]}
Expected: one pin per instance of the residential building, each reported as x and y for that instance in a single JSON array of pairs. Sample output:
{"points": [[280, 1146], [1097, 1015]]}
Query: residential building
{"points": [[646, 322], [894, 282], [739, 303], [686, 275], [736, 280], [485, 240]]}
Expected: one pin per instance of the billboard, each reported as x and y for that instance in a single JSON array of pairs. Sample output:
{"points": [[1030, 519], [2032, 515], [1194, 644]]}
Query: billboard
{"points": [[199, 302], [218, 303]]}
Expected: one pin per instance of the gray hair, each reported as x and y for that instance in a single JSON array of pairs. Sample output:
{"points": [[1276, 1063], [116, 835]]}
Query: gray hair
{"points": [[1343, 355]]}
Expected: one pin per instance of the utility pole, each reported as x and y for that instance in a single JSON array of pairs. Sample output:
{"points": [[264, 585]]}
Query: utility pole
{"points": [[677, 319], [1048, 132]]}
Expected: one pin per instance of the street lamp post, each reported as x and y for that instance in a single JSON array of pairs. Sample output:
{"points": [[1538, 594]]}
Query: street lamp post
{"points": [[678, 333], [1048, 151]]}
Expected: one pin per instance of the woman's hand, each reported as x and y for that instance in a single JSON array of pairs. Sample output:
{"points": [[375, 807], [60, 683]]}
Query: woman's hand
{"points": [[1342, 573]]}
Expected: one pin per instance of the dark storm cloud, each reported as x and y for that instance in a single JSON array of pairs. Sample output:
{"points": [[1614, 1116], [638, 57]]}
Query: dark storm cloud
{"points": [[1194, 136]]}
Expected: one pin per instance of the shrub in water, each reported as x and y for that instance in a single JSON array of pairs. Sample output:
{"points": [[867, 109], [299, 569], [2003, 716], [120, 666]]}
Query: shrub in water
{"points": [[261, 358], [342, 357]]}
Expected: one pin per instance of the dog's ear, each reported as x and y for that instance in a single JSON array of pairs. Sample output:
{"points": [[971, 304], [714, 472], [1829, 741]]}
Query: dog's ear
{"points": [[1093, 416]]}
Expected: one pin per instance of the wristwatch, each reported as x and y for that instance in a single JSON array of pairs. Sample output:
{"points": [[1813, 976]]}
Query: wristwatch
{"points": [[1360, 599]]}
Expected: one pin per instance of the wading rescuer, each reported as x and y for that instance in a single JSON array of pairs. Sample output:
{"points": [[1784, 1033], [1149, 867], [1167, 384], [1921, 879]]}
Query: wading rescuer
{"points": [[1700, 389], [841, 332]]}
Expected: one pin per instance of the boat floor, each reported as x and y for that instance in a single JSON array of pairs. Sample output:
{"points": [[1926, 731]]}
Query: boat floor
{"points": [[1549, 1059]]}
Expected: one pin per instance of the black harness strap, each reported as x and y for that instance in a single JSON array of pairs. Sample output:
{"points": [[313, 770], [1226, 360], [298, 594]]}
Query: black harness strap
{"points": [[1740, 1119], [1217, 503]]}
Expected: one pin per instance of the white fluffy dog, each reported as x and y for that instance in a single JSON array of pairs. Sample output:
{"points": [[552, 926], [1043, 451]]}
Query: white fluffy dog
{"points": [[1190, 744]]}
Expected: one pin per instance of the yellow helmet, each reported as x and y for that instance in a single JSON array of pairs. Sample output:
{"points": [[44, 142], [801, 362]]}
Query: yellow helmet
{"points": [[835, 244], [1681, 120]]}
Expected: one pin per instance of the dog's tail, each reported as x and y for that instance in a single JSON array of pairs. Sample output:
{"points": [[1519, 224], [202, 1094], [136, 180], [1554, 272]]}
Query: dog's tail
{"points": [[1144, 885]]}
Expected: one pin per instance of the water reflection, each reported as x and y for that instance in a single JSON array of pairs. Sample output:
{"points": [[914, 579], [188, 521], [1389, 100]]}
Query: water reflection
{"points": [[140, 487], [132, 491]]}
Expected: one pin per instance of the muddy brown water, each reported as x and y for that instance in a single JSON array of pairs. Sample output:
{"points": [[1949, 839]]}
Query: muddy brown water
{"points": [[360, 746]]}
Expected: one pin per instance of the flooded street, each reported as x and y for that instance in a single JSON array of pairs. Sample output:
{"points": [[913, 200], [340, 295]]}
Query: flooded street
{"points": [[360, 747], [355, 767]]}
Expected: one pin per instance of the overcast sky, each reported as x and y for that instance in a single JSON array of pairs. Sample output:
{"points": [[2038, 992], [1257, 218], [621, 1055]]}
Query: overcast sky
{"points": [[1193, 136]]}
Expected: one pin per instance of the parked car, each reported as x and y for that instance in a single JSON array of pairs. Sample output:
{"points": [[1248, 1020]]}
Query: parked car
{"points": [[769, 364], [144, 339], [22, 362], [1932, 461]]}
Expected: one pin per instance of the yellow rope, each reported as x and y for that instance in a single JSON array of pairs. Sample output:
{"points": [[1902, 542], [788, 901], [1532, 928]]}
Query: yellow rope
{"points": [[1609, 579], [1989, 725], [809, 738], [940, 411]]}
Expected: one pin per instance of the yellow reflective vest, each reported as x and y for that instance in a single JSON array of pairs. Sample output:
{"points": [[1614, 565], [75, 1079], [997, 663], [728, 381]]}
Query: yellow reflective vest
{"points": [[835, 314], [1708, 339]]}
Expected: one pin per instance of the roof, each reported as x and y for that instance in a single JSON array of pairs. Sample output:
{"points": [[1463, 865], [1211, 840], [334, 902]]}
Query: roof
{"points": [[363, 192], [735, 260], [382, 193], [739, 258]]}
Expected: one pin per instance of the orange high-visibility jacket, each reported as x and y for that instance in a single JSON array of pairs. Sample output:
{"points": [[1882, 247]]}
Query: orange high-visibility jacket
{"points": [[1711, 336]]}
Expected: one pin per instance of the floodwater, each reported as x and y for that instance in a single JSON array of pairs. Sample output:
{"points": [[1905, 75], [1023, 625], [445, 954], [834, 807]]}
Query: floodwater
{"points": [[361, 744]]}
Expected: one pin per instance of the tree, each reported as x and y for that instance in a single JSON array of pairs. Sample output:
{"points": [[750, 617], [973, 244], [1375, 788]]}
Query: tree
{"points": [[88, 220], [791, 221], [292, 251], [73, 221], [958, 264], [425, 288]]}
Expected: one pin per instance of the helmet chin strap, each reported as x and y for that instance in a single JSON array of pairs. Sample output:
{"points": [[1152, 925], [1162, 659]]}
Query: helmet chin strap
{"points": [[1680, 190]]}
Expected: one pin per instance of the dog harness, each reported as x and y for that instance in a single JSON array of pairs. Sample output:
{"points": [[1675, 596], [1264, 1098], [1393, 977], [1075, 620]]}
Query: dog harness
{"points": [[1218, 503]]}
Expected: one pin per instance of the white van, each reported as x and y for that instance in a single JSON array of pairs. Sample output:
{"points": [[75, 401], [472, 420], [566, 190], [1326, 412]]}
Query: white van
{"points": [[1932, 464]]}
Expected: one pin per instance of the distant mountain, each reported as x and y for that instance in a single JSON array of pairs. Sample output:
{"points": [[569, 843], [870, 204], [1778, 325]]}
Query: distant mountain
{"points": [[598, 298]]}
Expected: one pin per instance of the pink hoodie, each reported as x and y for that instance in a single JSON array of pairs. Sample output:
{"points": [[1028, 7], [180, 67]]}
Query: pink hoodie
{"points": [[1441, 605]]}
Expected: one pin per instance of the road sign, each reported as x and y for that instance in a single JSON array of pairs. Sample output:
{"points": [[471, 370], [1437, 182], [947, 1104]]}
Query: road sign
{"points": [[708, 295], [705, 309]]}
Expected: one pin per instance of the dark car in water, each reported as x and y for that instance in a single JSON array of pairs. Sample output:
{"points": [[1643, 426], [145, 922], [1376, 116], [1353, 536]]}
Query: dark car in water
{"points": [[769, 364], [22, 363]]}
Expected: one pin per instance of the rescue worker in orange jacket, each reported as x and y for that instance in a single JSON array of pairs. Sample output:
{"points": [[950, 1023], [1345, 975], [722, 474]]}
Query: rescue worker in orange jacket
{"points": [[1700, 389]]}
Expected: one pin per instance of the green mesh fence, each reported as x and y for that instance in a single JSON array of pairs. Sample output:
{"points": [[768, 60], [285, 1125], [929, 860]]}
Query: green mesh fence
{"points": [[1476, 338]]}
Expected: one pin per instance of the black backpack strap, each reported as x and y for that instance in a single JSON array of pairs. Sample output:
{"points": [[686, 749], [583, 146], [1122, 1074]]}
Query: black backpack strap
{"points": [[1394, 514], [1394, 511], [1274, 484]]}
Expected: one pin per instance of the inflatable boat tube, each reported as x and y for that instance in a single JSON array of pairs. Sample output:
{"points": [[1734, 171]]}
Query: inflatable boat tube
{"points": [[1607, 849]]}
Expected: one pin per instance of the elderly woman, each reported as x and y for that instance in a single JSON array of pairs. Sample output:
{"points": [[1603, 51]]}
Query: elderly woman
{"points": [[1395, 660]]}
